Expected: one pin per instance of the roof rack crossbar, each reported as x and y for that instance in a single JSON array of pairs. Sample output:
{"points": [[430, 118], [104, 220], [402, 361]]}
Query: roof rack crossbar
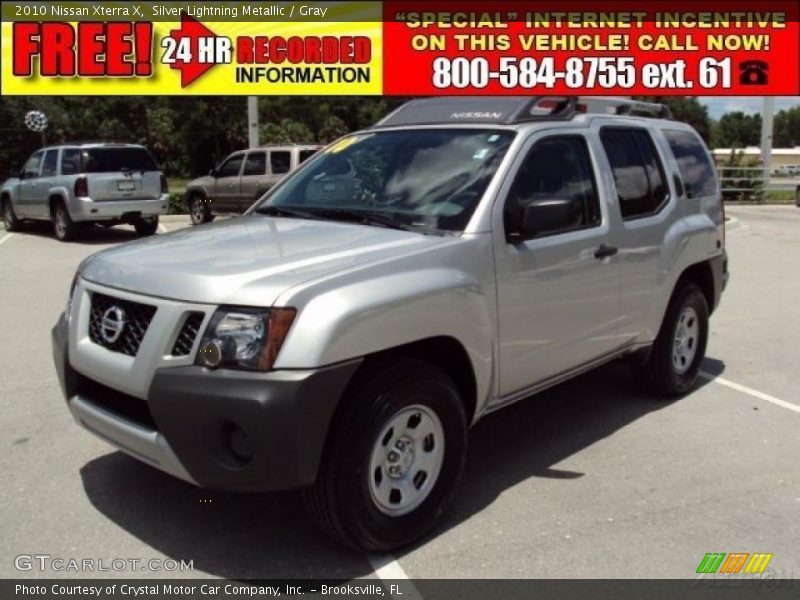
{"points": [[626, 106]]}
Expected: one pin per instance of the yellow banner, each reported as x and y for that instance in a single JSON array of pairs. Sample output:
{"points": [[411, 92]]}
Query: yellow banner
{"points": [[192, 57]]}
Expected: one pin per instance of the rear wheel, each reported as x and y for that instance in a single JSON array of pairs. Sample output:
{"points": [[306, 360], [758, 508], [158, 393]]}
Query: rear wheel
{"points": [[64, 227], [676, 356], [10, 220], [199, 209], [394, 455], [146, 226]]}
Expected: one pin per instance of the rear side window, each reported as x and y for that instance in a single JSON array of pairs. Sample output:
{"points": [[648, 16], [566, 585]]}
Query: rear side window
{"points": [[110, 160], [70, 161], [693, 162], [638, 174], [280, 162], [256, 163], [49, 163]]}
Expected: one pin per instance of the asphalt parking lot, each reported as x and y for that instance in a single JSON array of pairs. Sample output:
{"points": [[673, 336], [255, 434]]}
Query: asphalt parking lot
{"points": [[590, 479]]}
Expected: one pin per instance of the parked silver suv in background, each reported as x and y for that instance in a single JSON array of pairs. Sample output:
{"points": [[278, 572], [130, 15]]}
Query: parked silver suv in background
{"points": [[342, 336], [79, 184], [242, 178]]}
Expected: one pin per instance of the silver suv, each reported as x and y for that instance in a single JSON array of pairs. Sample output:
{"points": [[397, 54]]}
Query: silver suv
{"points": [[242, 178], [80, 184], [344, 334]]}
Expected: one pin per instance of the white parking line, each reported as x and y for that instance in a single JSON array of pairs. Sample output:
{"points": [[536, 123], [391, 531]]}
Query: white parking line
{"points": [[5, 237], [387, 568], [750, 391]]}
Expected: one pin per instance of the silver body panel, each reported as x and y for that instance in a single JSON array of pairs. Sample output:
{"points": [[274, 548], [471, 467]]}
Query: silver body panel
{"points": [[528, 315]]}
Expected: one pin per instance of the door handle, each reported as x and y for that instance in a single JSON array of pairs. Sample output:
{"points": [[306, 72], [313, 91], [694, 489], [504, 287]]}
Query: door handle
{"points": [[605, 250]]}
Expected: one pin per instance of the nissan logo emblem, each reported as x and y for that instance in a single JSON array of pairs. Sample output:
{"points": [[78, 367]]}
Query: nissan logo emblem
{"points": [[112, 324]]}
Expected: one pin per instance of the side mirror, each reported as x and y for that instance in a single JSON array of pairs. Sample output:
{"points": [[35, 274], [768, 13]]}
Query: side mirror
{"points": [[213, 173], [555, 215]]}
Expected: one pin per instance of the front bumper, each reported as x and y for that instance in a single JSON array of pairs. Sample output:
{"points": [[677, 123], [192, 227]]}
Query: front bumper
{"points": [[86, 209], [223, 429]]}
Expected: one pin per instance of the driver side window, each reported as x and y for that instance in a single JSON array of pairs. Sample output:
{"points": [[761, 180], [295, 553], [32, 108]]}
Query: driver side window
{"points": [[231, 167], [31, 168], [556, 171]]}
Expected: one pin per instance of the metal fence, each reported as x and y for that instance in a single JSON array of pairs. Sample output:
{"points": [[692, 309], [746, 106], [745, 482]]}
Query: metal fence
{"points": [[754, 184]]}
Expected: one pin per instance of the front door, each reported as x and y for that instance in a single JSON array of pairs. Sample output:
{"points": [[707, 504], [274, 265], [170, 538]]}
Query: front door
{"points": [[227, 183], [29, 185], [558, 290], [254, 179]]}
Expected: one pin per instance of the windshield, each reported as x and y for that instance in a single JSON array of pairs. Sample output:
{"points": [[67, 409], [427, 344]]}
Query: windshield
{"points": [[108, 160], [419, 179]]}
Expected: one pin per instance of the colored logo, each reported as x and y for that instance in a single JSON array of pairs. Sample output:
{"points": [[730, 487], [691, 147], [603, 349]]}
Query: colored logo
{"points": [[734, 563]]}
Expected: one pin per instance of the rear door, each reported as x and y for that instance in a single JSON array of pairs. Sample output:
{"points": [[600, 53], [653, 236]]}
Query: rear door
{"points": [[227, 183], [646, 204], [29, 182], [254, 179], [120, 173], [558, 292]]}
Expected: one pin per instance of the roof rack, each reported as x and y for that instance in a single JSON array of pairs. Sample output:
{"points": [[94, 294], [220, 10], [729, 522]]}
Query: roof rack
{"points": [[624, 106], [511, 110], [505, 110]]}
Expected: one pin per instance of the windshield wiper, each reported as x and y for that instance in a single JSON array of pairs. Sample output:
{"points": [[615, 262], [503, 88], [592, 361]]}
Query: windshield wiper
{"points": [[281, 211], [362, 216]]}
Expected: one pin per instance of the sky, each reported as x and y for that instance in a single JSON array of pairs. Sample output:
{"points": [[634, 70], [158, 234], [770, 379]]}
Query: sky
{"points": [[719, 106]]}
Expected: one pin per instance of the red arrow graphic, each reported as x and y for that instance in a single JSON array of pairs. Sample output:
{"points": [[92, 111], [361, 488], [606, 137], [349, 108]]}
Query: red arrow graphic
{"points": [[193, 30]]}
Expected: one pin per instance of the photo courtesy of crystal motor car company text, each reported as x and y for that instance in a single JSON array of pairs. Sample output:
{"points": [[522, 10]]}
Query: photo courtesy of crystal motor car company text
{"points": [[270, 271]]}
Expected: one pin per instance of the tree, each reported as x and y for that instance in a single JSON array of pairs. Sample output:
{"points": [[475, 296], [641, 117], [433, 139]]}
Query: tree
{"points": [[787, 128], [737, 130]]}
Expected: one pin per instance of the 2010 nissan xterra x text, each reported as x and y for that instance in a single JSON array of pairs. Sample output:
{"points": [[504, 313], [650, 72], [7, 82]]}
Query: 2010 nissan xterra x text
{"points": [[344, 334]]}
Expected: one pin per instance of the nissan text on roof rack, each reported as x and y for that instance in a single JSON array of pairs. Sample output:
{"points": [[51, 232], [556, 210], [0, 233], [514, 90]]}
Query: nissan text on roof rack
{"points": [[342, 337]]}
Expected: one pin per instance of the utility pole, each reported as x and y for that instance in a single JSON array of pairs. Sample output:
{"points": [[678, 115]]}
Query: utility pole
{"points": [[252, 121], [767, 114]]}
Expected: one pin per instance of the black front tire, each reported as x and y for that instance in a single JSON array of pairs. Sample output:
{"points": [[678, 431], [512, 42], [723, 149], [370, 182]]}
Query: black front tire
{"points": [[340, 502], [145, 227], [199, 209], [660, 374], [10, 220]]}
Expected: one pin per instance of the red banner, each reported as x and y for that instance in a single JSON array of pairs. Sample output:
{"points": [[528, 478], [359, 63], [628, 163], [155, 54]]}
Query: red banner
{"points": [[629, 48]]}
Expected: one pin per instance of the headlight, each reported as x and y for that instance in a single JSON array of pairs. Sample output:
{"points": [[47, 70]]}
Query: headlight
{"points": [[244, 338]]}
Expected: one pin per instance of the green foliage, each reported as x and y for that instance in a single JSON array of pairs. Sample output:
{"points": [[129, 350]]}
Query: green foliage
{"points": [[737, 176], [787, 128], [737, 130], [177, 204]]}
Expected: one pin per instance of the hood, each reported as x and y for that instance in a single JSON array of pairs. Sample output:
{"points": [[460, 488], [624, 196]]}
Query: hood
{"points": [[201, 182], [246, 261]]}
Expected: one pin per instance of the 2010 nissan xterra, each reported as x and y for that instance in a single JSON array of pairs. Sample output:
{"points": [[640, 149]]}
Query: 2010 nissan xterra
{"points": [[344, 334]]}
